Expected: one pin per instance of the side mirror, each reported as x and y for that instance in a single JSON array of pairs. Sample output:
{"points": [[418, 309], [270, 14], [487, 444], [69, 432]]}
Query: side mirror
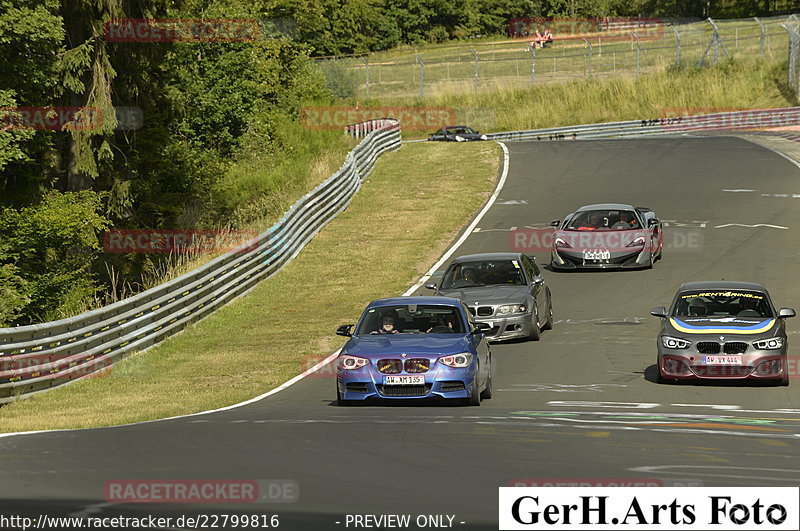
{"points": [[344, 330], [537, 280], [659, 311], [481, 328], [430, 285], [555, 223], [786, 312], [652, 222]]}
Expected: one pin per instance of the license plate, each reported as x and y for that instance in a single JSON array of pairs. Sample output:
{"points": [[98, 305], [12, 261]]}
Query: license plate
{"points": [[404, 380], [596, 254], [722, 360]]}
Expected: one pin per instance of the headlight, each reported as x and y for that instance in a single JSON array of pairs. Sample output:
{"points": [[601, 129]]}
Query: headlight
{"points": [[459, 138], [638, 242], [560, 242], [456, 361], [349, 363], [511, 308], [769, 344], [674, 342]]}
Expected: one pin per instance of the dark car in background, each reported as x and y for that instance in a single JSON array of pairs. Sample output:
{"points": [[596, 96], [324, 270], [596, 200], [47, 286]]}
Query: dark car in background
{"points": [[607, 236], [456, 133], [722, 330], [504, 290]]}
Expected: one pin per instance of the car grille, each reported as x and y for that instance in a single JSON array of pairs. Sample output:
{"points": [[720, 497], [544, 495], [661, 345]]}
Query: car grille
{"points": [[735, 347], [708, 347], [417, 365], [722, 371], [404, 390], [390, 366], [485, 311], [712, 347], [357, 388], [449, 387]]}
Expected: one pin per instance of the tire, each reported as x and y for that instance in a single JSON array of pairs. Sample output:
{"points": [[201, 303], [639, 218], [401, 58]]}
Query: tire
{"points": [[548, 324], [536, 331], [475, 397], [486, 394], [341, 402], [784, 381]]}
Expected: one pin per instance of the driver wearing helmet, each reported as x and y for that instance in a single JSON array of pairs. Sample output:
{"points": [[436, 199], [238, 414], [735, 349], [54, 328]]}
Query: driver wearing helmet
{"points": [[593, 222], [387, 326]]}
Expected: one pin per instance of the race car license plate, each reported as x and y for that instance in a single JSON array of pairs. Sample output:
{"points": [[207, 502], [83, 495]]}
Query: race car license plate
{"points": [[416, 379], [596, 254], [722, 360]]}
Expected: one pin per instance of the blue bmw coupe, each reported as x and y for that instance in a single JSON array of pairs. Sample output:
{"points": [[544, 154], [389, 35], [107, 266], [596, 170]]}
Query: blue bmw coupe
{"points": [[414, 348]]}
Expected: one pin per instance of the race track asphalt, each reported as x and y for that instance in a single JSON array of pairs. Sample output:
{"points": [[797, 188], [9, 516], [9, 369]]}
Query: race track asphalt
{"points": [[581, 404]]}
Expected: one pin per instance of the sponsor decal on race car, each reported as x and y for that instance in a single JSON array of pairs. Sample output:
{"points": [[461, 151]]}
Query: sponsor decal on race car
{"points": [[716, 327]]}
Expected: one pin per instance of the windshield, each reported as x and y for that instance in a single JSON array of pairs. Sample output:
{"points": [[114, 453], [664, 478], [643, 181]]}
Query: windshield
{"points": [[721, 303], [604, 220], [411, 319], [483, 273], [459, 130]]}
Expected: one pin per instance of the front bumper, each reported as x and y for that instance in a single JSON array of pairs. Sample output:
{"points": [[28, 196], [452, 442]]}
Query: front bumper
{"points": [[441, 382], [565, 260], [514, 326], [688, 364]]}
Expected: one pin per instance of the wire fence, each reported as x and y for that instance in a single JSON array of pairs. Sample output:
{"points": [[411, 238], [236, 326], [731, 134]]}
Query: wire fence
{"points": [[615, 50], [792, 27]]}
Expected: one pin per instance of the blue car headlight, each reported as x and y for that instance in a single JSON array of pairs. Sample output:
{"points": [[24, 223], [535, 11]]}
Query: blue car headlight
{"points": [[456, 361], [348, 362]]}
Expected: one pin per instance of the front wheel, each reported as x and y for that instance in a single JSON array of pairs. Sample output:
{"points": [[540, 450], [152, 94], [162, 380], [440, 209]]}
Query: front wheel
{"points": [[340, 401], [486, 394], [474, 398], [548, 324], [536, 331]]}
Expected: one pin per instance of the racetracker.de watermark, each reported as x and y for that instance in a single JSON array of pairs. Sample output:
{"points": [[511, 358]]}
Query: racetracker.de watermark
{"points": [[180, 30], [178, 241], [603, 482], [609, 28], [725, 118], [201, 491], [410, 118], [540, 240]]}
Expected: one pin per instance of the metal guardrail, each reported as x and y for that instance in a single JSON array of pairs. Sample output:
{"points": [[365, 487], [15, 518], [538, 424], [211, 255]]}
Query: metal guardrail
{"points": [[38, 357], [735, 121]]}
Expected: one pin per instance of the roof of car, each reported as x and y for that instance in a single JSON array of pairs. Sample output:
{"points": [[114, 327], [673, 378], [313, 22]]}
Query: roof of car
{"points": [[486, 256], [722, 284], [606, 206], [394, 301]]}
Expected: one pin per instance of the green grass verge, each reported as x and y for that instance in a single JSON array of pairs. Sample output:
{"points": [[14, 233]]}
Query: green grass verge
{"points": [[740, 84], [400, 222]]}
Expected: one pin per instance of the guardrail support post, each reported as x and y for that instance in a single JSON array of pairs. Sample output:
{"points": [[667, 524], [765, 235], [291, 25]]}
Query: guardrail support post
{"points": [[421, 75], [476, 68], [366, 70], [589, 44], [677, 46]]}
